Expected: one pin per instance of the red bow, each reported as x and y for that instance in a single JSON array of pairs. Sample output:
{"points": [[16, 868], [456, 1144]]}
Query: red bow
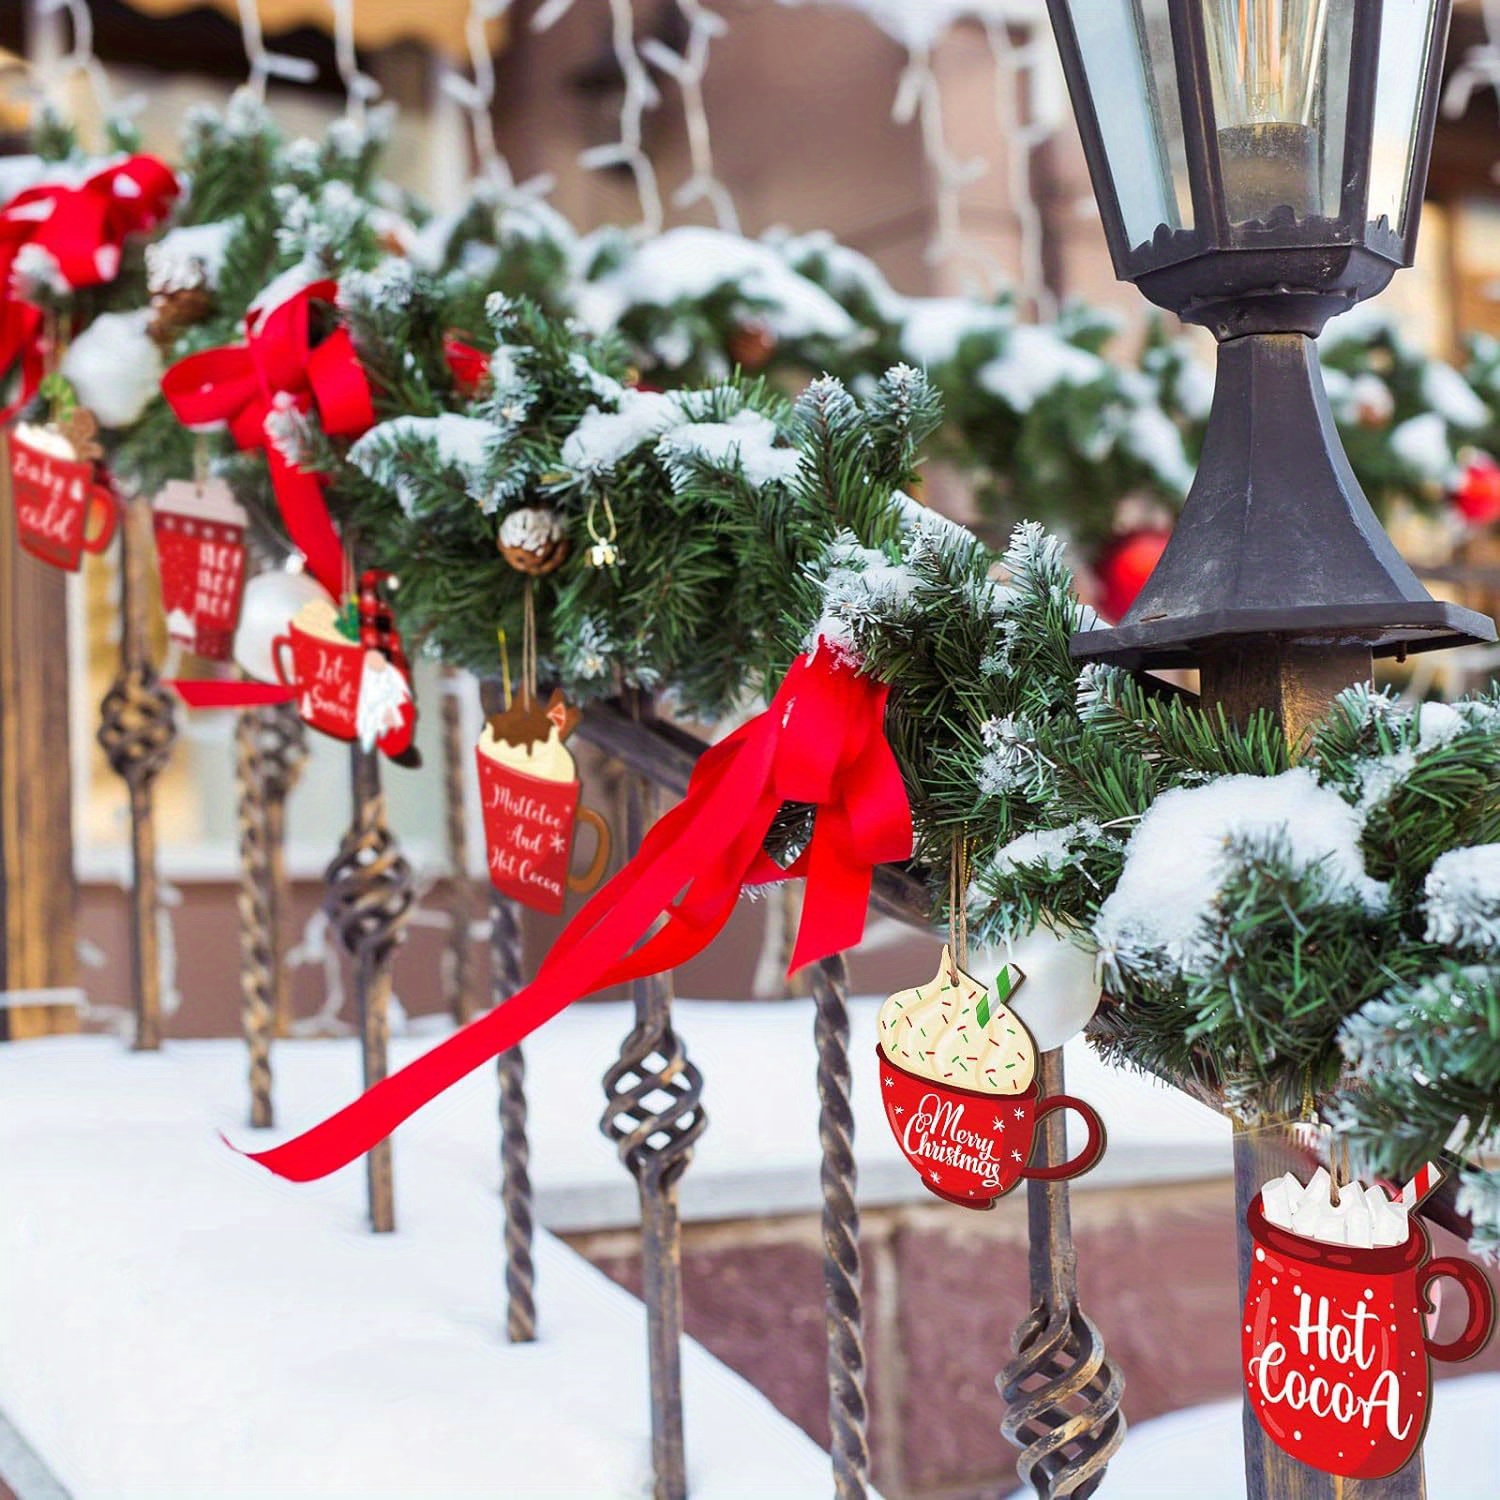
{"points": [[821, 742], [278, 366], [82, 229]]}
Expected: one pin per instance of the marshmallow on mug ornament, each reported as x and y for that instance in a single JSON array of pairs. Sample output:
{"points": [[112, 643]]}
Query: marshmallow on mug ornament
{"points": [[271, 599], [1061, 992]]}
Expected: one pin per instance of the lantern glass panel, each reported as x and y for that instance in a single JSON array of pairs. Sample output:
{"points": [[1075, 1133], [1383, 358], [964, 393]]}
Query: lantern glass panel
{"points": [[1126, 48], [1405, 48], [1280, 71]]}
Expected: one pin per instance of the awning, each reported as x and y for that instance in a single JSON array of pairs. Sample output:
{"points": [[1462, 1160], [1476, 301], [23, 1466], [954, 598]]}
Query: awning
{"points": [[438, 24]]}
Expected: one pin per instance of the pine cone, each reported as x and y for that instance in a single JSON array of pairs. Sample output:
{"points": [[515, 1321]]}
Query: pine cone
{"points": [[174, 311]]}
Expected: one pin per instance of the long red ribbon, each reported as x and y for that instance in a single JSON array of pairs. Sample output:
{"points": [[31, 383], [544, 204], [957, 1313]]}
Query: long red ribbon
{"points": [[83, 229], [242, 384], [218, 693], [822, 742]]}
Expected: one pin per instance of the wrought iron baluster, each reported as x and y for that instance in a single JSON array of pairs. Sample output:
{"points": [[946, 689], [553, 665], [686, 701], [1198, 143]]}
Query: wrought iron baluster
{"points": [[257, 985], [368, 899], [137, 727], [458, 969], [507, 960], [283, 753], [1062, 1394], [654, 1116], [270, 747], [843, 1312]]}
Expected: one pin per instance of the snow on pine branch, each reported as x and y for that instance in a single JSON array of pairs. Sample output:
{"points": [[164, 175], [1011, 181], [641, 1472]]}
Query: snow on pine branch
{"points": [[1461, 899], [1158, 918]]}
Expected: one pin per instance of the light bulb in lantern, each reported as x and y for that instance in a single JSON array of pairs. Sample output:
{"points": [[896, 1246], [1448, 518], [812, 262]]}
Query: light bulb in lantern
{"points": [[1273, 64]]}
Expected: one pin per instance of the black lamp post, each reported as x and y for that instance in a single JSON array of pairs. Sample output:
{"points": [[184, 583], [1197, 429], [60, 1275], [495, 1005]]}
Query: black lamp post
{"points": [[1259, 167]]}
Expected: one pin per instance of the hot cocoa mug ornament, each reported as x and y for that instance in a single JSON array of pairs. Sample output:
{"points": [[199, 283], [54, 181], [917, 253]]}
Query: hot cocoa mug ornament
{"points": [[62, 508], [200, 547], [1336, 1356], [529, 791], [958, 1082], [349, 672]]}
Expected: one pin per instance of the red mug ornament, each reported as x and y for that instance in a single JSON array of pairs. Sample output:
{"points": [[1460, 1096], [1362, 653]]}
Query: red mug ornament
{"points": [[529, 792], [970, 1145], [200, 546], [324, 666], [1335, 1350], [62, 510]]}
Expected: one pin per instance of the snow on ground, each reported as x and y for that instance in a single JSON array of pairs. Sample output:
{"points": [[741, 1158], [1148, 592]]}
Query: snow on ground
{"points": [[1197, 1453], [177, 1325]]}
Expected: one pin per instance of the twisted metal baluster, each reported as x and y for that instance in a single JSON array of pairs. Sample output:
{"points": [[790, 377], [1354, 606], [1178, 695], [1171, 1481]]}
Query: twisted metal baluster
{"points": [[1062, 1394], [656, 1144], [515, 1151], [257, 984], [283, 753], [458, 969], [137, 727], [843, 1310], [270, 748], [368, 898]]}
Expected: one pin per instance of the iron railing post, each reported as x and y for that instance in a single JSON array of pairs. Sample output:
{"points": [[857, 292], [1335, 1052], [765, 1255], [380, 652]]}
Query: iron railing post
{"points": [[137, 728], [508, 966], [843, 1311], [1061, 1392], [368, 898], [655, 1141]]}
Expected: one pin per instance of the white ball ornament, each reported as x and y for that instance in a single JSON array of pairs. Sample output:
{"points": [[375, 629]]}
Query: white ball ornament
{"points": [[1061, 990], [271, 599]]}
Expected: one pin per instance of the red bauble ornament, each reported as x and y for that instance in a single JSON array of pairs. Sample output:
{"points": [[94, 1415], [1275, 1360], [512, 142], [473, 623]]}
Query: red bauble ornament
{"points": [[1124, 566], [1477, 496]]}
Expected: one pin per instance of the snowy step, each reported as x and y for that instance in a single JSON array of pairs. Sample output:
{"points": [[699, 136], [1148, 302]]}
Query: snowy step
{"points": [[176, 1323]]}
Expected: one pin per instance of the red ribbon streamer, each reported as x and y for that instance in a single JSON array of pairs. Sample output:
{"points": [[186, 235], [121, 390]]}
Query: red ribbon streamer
{"points": [[242, 384], [222, 694], [83, 229], [822, 742]]}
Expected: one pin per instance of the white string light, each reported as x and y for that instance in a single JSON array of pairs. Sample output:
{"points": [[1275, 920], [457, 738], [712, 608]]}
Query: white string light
{"points": [[687, 70], [264, 64], [476, 96], [1029, 108], [360, 90], [919, 98], [640, 95], [1479, 69], [79, 58]]}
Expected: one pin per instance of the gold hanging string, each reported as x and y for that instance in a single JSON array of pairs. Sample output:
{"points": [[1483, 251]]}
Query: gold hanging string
{"points": [[528, 643], [504, 667], [958, 890], [200, 461]]}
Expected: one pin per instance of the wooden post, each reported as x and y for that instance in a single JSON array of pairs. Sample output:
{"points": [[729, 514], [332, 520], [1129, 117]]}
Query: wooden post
{"points": [[1297, 685], [37, 893]]}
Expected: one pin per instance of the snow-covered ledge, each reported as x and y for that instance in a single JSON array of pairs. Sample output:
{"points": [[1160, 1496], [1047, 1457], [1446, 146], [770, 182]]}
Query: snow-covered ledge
{"points": [[176, 1322]]}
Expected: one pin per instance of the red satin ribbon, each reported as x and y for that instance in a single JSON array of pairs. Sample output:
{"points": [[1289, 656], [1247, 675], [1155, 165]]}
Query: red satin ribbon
{"points": [[821, 741], [214, 693], [83, 229], [241, 384]]}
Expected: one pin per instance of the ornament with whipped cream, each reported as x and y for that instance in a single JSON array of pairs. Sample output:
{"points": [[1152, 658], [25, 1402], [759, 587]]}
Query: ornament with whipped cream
{"points": [[529, 792], [958, 1083]]}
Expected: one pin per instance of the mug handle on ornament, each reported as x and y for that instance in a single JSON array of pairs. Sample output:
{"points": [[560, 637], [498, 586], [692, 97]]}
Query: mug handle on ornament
{"points": [[279, 644], [1093, 1147], [102, 504], [591, 877], [1481, 1299]]}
